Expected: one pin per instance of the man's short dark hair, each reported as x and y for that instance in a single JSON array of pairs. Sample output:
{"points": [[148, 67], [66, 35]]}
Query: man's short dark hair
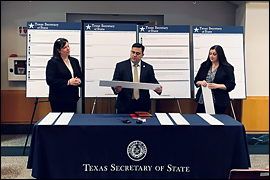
{"points": [[138, 45]]}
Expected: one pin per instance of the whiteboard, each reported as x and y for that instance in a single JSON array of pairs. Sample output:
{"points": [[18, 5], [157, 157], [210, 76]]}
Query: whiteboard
{"points": [[40, 40], [231, 39], [105, 45], [167, 50]]}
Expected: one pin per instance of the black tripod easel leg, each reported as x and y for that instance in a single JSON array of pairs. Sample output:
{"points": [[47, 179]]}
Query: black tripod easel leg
{"points": [[94, 106], [179, 106], [30, 127], [233, 110]]}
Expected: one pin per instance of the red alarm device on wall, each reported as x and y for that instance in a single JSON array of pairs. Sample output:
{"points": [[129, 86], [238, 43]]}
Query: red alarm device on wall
{"points": [[13, 55]]}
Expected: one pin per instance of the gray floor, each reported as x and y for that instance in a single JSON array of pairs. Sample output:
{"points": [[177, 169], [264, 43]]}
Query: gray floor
{"points": [[14, 167]]}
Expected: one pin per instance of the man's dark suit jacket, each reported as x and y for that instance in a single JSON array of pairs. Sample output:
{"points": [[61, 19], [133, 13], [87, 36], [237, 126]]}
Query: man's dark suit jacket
{"points": [[224, 75], [123, 72], [57, 76]]}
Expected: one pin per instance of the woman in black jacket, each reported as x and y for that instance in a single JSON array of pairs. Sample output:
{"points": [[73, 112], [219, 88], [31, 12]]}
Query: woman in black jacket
{"points": [[218, 75], [64, 76]]}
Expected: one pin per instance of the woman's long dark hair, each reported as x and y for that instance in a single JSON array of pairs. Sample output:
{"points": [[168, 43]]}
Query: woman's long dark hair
{"points": [[58, 45], [221, 56]]}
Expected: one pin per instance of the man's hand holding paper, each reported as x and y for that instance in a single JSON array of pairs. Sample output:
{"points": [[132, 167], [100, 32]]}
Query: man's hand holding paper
{"points": [[159, 89]]}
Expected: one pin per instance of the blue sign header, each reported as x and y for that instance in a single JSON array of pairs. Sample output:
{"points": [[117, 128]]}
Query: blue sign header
{"points": [[217, 29], [53, 25], [109, 27], [164, 29]]}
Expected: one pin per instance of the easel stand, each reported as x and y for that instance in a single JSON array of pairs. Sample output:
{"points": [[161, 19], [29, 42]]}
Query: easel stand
{"points": [[179, 106], [31, 123], [95, 102], [233, 110]]}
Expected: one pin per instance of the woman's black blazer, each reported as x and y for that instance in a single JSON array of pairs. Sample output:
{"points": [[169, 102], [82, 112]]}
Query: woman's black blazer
{"points": [[57, 76]]}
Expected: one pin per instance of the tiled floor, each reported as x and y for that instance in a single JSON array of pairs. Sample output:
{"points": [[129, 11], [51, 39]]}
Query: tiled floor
{"points": [[14, 167]]}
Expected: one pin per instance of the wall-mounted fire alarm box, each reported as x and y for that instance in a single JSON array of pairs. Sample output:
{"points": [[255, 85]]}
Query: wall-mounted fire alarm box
{"points": [[17, 68]]}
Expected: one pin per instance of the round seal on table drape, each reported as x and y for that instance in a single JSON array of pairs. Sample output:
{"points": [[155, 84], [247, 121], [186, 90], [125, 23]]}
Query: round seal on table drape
{"points": [[136, 150]]}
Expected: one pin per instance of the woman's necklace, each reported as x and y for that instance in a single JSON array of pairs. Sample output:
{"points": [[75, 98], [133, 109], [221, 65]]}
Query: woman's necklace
{"points": [[214, 67], [66, 60]]}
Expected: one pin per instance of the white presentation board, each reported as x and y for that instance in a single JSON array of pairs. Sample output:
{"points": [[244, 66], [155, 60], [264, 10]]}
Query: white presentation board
{"points": [[40, 40], [105, 45], [231, 39], [167, 50]]}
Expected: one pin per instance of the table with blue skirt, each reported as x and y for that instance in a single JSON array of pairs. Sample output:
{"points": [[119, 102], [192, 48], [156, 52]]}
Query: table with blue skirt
{"points": [[106, 146]]}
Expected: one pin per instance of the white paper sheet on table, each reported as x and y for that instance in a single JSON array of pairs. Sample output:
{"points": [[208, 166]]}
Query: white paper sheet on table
{"points": [[179, 119], [64, 118], [126, 84], [49, 118], [164, 119], [208, 100], [210, 119]]}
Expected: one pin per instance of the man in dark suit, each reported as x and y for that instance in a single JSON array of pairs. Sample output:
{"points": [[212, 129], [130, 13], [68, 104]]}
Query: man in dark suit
{"points": [[127, 102]]}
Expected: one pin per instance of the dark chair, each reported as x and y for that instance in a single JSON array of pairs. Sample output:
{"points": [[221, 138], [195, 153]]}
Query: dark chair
{"points": [[249, 174]]}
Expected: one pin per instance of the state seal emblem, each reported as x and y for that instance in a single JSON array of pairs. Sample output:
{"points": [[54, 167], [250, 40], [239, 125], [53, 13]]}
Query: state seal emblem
{"points": [[136, 150]]}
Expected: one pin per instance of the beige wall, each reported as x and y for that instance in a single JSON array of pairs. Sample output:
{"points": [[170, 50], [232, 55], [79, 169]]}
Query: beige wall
{"points": [[255, 18], [257, 49]]}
